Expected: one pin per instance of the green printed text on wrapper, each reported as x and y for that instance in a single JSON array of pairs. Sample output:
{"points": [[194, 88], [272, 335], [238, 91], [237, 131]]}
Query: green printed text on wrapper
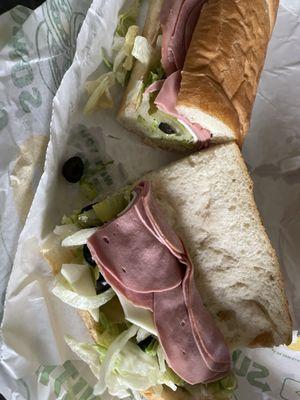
{"points": [[66, 382]]}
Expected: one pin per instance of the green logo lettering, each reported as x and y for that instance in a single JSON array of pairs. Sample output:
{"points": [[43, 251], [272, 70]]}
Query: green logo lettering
{"points": [[45, 374], [253, 377], [69, 371], [26, 99], [79, 386], [19, 46], [245, 364], [3, 118], [22, 74], [88, 395]]}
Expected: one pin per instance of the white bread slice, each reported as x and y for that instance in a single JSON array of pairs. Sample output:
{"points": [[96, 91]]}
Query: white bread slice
{"points": [[208, 198], [221, 71]]}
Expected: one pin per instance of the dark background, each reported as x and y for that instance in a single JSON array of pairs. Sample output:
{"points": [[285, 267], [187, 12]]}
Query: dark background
{"points": [[6, 5]]}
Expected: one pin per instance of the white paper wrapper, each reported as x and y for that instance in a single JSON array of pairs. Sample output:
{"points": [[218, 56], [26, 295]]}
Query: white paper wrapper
{"points": [[32, 341], [36, 48]]}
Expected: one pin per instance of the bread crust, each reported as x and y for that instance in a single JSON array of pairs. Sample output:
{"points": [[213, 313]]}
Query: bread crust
{"points": [[226, 55]]}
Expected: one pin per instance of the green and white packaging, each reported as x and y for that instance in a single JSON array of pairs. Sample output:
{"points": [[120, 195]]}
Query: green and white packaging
{"points": [[36, 50]]}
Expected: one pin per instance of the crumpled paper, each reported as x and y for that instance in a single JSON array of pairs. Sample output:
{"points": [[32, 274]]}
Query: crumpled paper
{"points": [[36, 48], [38, 358]]}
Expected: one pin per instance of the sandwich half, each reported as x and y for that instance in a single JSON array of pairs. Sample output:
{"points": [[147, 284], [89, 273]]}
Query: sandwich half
{"points": [[197, 71], [189, 233]]}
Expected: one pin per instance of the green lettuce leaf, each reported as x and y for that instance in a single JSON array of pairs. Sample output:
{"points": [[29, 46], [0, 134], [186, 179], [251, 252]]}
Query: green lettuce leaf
{"points": [[89, 353], [128, 18], [99, 92], [156, 74], [142, 50]]}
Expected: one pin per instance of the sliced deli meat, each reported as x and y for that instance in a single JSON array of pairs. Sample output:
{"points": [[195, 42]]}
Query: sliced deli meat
{"points": [[143, 258], [178, 20], [166, 101], [143, 270]]}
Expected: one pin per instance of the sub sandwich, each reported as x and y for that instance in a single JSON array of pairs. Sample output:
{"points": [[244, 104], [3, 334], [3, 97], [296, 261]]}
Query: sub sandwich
{"points": [[193, 70], [170, 275]]}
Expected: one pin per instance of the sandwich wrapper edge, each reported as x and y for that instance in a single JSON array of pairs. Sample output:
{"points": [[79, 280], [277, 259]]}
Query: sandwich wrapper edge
{"points": [[272, 141]]}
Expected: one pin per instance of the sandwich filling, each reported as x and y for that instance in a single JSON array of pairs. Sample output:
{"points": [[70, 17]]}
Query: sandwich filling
{"points": [[142, 257], [151, 104], [119, 261], [178, 21]]}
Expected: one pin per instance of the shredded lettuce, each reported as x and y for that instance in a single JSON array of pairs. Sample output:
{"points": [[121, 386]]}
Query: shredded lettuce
{"points": [[110, 358], [167, 376], [142, 335], [107, 61], [170, 379], [65, 230], [155, 75], [222, 389], [99, 90], [151, 349], [124, 59], [161, 358], [126, 368], [64, 292], [109, 331], [128, 18], [88, 219], [78, 238], [89, 353], [142, 50], [70, 219]]}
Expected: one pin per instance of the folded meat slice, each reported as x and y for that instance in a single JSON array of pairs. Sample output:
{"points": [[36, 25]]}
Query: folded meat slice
{"points": [[143, 300], [145, 269], [166, 101], [175, 329], [178, 21], [143, 258]]}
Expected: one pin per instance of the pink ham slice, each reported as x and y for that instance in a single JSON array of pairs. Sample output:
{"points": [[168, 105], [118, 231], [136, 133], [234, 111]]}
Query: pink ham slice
{"points": [[176, 337], [160, 224], [166, 102], [162, 228], [143, 300], [125, 260], [142, 242], [178, 21], [210, 343], [155, 86]]}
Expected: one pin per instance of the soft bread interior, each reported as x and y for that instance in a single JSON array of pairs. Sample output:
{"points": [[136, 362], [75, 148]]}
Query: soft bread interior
{"points": [[208, 199], [214, 112]]}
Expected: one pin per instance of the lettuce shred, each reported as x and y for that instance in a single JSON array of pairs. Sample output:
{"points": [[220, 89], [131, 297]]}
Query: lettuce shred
{"points": [[120, 65]]}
